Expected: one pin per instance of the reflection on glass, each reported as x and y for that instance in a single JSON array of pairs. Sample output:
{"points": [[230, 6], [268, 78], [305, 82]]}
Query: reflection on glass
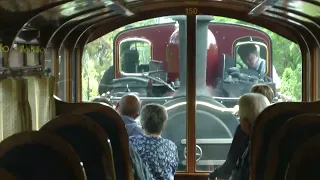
{"points": [[48, 58], [61, 79], [1, 56], [16, 56], [32, 55]]}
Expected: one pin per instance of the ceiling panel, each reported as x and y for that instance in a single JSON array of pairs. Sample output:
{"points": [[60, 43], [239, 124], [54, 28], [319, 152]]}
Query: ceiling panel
{"points": [[304, 12]]}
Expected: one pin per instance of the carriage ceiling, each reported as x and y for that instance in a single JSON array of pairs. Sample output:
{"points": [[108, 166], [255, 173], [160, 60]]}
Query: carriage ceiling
{"points": [[70, 22]]}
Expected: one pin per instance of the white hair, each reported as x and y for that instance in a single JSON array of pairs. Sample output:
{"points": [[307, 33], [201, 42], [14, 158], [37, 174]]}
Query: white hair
{"points": [[153, 118], [251, 105]]}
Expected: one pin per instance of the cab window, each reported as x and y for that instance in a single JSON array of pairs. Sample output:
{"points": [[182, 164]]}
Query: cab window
{"points": [[135, 55]]}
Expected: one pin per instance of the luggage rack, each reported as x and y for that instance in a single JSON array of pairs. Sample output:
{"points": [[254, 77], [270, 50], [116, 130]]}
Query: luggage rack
{"points": [[24, 71]]}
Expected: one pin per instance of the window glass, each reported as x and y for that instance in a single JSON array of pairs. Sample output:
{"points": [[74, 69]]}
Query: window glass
{"points": [[48, 58], [32, 55], [238, 56], [2, 51], [143, 49], [149, 51], [16, 56], [231, 57], [61, 79], [242, 45]]}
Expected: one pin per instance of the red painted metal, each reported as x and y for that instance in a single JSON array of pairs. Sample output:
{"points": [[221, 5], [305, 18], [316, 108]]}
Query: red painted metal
{"points": [[164, 40]]}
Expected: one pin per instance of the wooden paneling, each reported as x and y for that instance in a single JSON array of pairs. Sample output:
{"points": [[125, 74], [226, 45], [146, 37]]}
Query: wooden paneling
{"points": [[196, 176]]}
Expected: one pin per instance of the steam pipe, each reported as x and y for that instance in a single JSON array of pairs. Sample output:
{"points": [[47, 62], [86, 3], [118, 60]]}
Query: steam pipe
{"points": [[183, 56], [201, 55]]}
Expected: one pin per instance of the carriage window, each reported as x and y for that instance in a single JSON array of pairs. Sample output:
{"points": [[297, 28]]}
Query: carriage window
{"points": [[229, 76], [142, 58], [220, 82]]}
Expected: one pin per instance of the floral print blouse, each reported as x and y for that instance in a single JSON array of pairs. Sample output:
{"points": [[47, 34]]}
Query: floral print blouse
{"points": [[159, 154]]}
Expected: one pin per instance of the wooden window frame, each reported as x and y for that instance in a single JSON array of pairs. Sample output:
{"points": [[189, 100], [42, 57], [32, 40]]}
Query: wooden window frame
{"points": [[191, 93]]}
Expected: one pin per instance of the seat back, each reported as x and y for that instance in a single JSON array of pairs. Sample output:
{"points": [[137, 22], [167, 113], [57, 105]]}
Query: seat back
{"points": [[305, 161], [267, 123], [38, 155], [4, 174], [113, 124], [285, 142], [89, 140]]}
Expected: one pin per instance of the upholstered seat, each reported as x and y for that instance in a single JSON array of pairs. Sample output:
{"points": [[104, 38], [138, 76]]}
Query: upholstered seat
{"points": [[89, 140], [38, 156]]}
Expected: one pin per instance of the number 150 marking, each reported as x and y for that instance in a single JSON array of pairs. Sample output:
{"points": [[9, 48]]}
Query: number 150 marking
{"points": [[191, 11]]}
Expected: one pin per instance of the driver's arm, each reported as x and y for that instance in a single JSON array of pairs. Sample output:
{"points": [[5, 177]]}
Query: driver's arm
{"points": [[262, 68], [106, 79]]}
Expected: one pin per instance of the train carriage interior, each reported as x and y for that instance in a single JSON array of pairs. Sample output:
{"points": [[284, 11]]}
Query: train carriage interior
{"points": [[66, 64]]}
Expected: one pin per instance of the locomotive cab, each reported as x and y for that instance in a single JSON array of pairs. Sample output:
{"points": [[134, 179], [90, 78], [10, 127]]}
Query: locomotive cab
{"points": [[237, 78]]}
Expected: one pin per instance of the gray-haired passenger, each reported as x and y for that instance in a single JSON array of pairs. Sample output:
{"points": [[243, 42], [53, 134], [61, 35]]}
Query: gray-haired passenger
{"points": [[153, 119], [250, 106], [161, 155]]}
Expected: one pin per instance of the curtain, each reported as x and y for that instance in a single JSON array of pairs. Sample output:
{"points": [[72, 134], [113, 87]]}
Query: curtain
{"points": [[40, 93], [15, 112]]}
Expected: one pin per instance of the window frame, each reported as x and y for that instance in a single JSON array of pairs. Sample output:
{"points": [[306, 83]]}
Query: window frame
{"points": [[135, 39]]}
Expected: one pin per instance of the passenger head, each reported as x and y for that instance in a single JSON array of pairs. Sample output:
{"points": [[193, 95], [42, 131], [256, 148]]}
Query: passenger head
{"points": [[153, 118], [248, 54], [102, 100], [264, 90], [250, 106], [129, 105]]}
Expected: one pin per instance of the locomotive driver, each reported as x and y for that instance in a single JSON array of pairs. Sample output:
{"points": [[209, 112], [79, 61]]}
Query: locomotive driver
{"points": [[249, 55], [130, 61]]}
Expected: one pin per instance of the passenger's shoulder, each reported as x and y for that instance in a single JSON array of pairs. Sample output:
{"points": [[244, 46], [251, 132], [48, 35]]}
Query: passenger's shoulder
{"points": [[263, 60], [136, 137], [132, 138], [170, 143]]}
